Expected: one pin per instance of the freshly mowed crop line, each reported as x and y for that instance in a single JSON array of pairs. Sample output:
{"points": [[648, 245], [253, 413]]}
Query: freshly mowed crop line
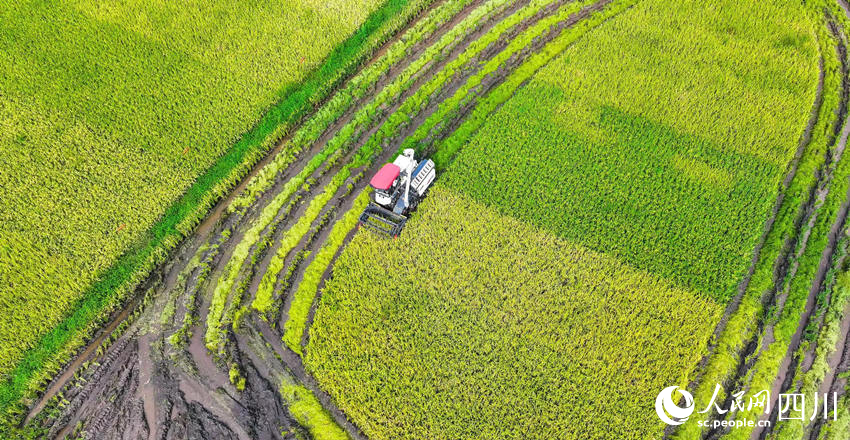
{"points": [[317, 164]]}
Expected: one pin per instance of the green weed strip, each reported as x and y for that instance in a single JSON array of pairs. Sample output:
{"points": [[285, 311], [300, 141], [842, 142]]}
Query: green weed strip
{"points": [[117, 282], [823, 376], [819, 342]]}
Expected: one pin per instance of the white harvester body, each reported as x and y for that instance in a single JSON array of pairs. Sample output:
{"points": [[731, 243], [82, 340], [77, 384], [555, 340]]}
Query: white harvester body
{"points": [[398, 188]]}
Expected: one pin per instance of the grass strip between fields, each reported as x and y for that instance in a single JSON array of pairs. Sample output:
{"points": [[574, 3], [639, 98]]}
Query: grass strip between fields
{"points": [[303, 297], [310, 414]]}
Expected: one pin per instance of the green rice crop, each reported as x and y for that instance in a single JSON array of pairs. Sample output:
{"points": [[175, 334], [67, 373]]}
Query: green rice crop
{"points": [[310, 414]]}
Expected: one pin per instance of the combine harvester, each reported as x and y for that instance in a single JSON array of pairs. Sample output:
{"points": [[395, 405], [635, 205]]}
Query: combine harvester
{"points": [[399, 187]]}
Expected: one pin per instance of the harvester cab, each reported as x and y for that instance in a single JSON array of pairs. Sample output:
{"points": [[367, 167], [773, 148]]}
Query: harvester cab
{"points": [[398, 188]]}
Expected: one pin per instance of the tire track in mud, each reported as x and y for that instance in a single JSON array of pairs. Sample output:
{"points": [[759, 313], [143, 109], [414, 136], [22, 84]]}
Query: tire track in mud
{"points": [[185, 390], [838, 362]]}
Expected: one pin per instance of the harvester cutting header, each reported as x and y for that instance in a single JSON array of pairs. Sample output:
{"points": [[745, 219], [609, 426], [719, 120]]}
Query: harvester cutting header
{"points": [[398, 189]]}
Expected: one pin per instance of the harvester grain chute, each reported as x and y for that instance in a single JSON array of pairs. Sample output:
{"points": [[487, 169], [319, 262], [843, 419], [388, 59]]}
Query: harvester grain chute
{"points": [[398, 188]]}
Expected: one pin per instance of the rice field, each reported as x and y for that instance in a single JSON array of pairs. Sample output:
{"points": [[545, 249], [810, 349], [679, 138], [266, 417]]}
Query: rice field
{"points": [[630, 195]]}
